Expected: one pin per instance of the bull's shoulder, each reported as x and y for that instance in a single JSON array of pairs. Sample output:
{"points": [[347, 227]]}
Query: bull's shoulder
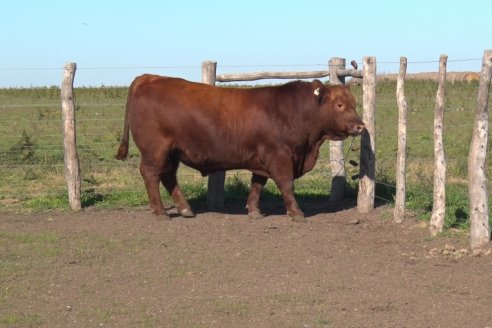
{"points": [[299, 97], [301, 86]]}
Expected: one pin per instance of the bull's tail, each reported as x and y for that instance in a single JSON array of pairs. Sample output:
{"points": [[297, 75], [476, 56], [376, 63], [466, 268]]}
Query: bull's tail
{"points": [[123, 148]]}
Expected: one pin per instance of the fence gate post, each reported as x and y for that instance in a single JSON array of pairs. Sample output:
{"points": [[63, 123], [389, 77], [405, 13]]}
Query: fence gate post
{"points": [[439, 203], [477, 161], [401, 160], [215, 189], [72, 168], [338, 181], [367, 184]]}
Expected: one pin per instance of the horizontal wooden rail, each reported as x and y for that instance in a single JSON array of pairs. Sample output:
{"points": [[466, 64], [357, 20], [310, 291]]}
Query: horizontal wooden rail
{"points": [[349, 72], [234, 77], [271, 75]]}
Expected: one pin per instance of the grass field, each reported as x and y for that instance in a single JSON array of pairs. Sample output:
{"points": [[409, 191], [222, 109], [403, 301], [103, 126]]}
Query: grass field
{"points": [[31, 151]]}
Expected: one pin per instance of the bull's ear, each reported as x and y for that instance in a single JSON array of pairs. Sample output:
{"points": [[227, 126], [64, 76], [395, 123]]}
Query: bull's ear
{"points": [[318, 91]]}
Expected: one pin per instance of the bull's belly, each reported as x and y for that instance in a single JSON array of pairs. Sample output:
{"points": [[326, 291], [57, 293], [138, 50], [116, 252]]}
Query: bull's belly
{"points": [[211, 163]]}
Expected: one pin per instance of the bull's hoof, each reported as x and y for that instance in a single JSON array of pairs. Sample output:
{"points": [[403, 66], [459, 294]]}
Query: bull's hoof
{"points": [[160, 214], [162, 217], [255, 215], [298, 218], [187, 213]]}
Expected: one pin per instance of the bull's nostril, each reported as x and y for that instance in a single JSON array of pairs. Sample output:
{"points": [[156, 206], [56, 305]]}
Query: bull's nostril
{"points": [[357, 129]]}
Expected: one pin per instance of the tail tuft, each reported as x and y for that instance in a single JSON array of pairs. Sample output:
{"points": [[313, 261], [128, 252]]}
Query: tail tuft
{"points": [[122, 152]]}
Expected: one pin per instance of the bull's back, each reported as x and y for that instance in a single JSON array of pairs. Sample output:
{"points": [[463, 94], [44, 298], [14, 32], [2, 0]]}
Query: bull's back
{"points": [[170, 96], [209, 128], [179, 103]]}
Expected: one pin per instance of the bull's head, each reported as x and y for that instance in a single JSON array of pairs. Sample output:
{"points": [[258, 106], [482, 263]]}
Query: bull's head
{"points": [[337, 108]]}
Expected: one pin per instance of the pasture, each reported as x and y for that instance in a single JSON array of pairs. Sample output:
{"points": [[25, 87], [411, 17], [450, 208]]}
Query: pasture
{"points": [[31, 153], [114, 265]]}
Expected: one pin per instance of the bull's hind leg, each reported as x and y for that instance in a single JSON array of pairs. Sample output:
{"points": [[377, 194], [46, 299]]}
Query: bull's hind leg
{"points": [[170, 181], [152, 176], [152, 167], [257, 184]]}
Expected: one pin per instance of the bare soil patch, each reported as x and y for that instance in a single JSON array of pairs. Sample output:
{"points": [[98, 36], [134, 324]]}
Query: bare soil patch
{"points": [[123, 268]]}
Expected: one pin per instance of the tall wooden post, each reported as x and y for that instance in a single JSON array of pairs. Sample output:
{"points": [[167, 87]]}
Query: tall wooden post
{"points": [[215, 190], [477, 164], [72, 168], [367, 184], [401, 159], [338, 180], [439, 205]]}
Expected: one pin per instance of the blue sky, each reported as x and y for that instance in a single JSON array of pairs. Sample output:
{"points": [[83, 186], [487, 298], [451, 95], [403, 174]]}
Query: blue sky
{"points": [[113, 41]]}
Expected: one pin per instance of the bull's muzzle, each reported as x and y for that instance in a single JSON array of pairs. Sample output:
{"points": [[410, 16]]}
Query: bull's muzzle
{"points": [[357, 128]]}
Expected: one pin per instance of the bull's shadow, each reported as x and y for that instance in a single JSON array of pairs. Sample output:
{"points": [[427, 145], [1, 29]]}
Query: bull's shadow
{"points": [[272, 203]]}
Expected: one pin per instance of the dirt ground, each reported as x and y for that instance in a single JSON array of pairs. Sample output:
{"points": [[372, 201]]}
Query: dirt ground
{"points": [[123, 268]]}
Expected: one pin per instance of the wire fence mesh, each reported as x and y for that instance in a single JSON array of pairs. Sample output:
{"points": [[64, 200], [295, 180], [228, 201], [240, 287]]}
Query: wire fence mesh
{"points": [[31, 144]]}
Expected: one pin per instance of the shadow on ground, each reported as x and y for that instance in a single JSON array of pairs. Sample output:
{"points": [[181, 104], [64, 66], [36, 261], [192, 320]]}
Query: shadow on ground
{"points": [[272, 204]]}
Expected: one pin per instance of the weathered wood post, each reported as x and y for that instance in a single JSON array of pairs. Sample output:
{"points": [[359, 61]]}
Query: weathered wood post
{"points": [[439, 205], [477, 165], [367, 183], [72, 168], [338, 180], [401, 158], [215, 190]]}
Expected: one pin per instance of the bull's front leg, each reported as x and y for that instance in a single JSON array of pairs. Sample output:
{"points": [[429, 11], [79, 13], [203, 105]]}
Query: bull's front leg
{"points": [[287, 190], [282, 174], [257, 184]]}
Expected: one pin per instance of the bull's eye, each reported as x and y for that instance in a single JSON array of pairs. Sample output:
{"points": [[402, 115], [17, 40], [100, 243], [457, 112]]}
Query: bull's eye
{"points": [[340, 106]]}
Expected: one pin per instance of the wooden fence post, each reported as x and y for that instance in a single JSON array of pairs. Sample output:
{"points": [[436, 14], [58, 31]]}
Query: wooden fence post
{"points": [[72, 168], [477, 166], [367, 185], [439, 205], [338, 180], [401, 159], [215, 189]]}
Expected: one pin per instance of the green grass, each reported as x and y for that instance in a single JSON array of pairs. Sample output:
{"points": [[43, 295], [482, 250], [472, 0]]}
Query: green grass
{"points": [[459, 115], [31, 152]]}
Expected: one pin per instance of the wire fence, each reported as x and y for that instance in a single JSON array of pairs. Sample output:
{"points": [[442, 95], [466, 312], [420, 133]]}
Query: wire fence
{"points": [[31, 144], [23, 76], [198, 67]]}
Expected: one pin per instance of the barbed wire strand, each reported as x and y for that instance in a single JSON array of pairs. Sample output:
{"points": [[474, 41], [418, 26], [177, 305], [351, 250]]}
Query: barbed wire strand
{"points": [[219, 65]]}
